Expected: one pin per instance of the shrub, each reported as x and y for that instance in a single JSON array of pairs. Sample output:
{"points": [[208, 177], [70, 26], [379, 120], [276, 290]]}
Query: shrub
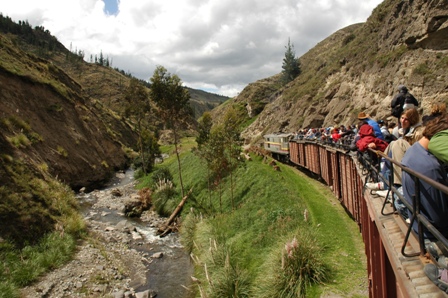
{"points": [[421, 69], [231, 281], [161, 174], [297, 267], [19, 141], [62, 151], [187, 231], [228, 279], [55, 108], [164, 197], [21, 267], [348, 39], [145, 195]]}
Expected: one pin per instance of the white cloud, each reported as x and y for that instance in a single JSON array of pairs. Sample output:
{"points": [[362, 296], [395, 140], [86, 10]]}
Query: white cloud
{"points": [[220, 45]]}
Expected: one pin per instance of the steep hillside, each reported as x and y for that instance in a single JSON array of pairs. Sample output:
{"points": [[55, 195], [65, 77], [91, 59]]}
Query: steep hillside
{"points": [[48, 135], [46, 120], [358, 68]]}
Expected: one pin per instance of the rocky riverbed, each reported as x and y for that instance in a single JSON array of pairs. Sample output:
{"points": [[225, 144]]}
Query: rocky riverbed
{"points": [[122, 257]]}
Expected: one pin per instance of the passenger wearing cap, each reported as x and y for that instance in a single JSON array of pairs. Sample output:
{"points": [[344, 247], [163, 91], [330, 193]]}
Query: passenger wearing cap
{"points": [[383, 128], [376, 128]]}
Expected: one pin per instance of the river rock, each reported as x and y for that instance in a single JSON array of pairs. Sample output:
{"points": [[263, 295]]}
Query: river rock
{"points": [[133, 207], [116, 192], [144, 294], [108, 249], [125, 226]]}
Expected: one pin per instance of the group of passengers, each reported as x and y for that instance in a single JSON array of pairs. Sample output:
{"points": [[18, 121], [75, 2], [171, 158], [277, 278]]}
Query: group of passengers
{"points": [[420, 144], [334, 134]]}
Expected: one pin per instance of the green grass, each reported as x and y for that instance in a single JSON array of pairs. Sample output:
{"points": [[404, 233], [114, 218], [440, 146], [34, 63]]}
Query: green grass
{"points": [[242, 244], [19, 268], [40, 224]]}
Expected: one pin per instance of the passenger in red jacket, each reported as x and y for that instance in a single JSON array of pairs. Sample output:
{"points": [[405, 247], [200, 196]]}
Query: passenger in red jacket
{"points": [[367, 139], [335, 135]]}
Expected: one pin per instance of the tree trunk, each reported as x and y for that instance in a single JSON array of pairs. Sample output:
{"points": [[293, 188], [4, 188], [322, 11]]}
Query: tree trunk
{"points": [[166, 227], [178, 160]]}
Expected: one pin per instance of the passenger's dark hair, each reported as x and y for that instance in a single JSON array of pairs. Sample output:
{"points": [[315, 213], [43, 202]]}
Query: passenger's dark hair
{"points": [[436, 125]]}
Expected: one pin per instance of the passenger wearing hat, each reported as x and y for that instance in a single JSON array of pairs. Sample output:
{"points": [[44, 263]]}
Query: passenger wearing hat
{"points": [[383, 127], [385, 131], [376, 128]]}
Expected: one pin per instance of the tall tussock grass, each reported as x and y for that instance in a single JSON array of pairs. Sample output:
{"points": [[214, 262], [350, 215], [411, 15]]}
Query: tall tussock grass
{"points": [[294, 268], [224, 275], [187, 231]]}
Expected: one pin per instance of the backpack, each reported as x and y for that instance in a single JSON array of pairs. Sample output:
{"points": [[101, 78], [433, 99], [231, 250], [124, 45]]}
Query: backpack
{"points": [[397, 105], [396, 111]]}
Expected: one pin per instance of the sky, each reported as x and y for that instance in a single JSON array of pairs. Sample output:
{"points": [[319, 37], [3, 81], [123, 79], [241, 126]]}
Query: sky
{"points": [[219, 46]]}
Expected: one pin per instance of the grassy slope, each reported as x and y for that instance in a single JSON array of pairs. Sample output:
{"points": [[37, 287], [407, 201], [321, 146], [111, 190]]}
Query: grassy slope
{"points": [[269, 211]]}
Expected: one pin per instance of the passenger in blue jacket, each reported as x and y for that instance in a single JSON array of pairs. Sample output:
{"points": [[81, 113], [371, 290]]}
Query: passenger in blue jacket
{"points": [[376, 128], [433, 203]]}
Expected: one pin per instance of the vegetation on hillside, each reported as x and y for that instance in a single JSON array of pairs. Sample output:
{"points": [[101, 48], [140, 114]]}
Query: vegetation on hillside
{"points": [[291, 64], [356, 68], [40, 223], [248, 238]]}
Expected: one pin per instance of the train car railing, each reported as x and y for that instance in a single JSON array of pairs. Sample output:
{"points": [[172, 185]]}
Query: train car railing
{"points": [[414, 208], [346, 173]]}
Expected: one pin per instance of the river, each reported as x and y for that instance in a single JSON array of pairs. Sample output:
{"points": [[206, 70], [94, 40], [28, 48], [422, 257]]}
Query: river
{"points": [[168, 275]]}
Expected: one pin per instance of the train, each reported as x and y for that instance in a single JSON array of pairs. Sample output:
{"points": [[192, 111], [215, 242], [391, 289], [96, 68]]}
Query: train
{"points": [[278, 145], [395, 255]]}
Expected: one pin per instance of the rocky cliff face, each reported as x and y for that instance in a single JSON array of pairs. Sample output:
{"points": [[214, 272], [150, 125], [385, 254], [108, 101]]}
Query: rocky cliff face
{"points": [[358, 69]]}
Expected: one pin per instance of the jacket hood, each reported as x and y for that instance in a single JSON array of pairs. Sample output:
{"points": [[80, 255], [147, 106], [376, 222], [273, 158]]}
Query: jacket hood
{"points": [[366, 130]]}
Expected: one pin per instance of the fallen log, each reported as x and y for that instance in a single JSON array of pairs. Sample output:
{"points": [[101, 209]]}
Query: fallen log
{"points": [[165, 229]]}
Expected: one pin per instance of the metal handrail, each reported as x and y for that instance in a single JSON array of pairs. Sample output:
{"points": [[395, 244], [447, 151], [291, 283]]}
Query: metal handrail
{"points": [[421, 219]]}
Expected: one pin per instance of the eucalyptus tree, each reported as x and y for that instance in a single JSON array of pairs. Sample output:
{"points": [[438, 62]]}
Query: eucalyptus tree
{"points": [[137, 108], [233, 142], [217, 162], [173, 102], [204, 151], [220, 147]]}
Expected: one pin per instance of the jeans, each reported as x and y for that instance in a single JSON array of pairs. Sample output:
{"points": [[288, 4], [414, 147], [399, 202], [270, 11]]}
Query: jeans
{"points": [[401, 208]]}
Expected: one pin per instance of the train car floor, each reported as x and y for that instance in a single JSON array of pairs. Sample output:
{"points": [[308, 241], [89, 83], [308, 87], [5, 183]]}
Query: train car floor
{"points": [[393, 230]]}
